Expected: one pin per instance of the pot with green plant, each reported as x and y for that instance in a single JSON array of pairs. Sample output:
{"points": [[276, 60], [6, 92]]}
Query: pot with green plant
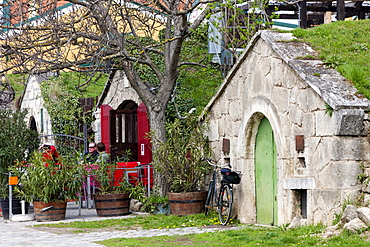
{"points": [[112, 197], [156, 204], [48, 184], [180, 161], [17, 141]]}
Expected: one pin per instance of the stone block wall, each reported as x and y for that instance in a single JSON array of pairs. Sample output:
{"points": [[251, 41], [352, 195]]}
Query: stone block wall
{"points": [[266, 83]]}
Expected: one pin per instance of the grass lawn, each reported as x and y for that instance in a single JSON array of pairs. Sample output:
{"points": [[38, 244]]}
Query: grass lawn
{"points": [[248, 235], [345, 46]]}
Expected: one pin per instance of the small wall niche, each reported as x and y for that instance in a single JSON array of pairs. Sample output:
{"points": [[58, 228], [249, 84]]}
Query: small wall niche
{"points": [[301, 200], [303, 203], [226, 160], [302, 162]]}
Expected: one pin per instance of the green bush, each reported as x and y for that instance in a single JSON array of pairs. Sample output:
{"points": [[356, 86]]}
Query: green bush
{"points": [[179, 159], [17, 141]]}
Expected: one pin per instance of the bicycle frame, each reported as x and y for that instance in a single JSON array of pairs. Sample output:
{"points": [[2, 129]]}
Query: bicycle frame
{"points": [[213, 197], [211, 200]]}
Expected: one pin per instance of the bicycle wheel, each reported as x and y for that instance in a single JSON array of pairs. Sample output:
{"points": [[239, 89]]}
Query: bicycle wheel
{"points": [[209, 200], [225, 203]]}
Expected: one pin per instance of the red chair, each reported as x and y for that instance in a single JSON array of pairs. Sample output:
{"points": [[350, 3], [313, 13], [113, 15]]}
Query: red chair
{"points": [[126, 171]]}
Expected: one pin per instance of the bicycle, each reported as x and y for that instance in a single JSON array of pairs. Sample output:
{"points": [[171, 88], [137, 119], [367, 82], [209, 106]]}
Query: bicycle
{"points": [[224, 201]]}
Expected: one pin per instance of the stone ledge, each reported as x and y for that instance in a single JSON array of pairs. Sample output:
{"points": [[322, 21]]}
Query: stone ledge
{"points": [[299, 183], [330, 85]]}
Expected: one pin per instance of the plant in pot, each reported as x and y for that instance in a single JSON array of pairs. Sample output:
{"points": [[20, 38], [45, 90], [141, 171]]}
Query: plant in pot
{"points": [[179, 160], [49, 183], [156, 204], [17, 141], [113, 194]]}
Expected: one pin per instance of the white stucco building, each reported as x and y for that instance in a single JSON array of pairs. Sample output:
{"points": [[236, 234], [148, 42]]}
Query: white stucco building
{"points": [[38, 116]]}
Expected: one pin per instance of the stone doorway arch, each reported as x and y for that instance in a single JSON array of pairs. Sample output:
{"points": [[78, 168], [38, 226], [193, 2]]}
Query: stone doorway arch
{"points": [[251, 208]]}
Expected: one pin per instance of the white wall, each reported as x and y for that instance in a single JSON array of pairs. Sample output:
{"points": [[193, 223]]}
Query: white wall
{"points": [[33, 101]]}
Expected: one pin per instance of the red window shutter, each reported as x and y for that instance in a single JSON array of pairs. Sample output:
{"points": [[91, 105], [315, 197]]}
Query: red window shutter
{"points": [[105, 126], [143, 128]]}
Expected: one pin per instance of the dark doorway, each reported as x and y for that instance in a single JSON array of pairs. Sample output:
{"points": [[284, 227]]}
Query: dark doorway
{"points": [[123, 136], [33, 125]]}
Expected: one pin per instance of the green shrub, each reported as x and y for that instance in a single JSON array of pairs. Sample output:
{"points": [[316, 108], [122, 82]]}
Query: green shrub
{"points": [[17, 141]]}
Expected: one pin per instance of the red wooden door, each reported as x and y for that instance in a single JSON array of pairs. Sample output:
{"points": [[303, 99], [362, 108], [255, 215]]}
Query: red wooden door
{"points": [[126, 129]]}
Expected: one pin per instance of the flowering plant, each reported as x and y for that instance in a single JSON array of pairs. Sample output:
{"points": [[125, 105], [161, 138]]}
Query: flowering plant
{"points": [[49, 181]]}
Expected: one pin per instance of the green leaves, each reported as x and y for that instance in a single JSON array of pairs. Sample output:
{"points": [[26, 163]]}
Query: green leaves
{"points": [[16, 142], [61, 96], [179, 158], [237, 26], [46, 180], [344, 46]]}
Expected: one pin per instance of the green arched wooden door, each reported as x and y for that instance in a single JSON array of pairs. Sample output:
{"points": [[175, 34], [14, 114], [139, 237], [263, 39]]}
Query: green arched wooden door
{"points": [[266, 175]]}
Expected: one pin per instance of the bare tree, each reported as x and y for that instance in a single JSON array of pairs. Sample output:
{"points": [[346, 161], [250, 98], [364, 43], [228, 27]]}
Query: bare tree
{"points": [[40, 36]]}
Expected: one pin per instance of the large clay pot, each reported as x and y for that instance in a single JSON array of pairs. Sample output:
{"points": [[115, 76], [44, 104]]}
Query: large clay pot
{"points": [[49, 211], [112, 204], [187, 203]]}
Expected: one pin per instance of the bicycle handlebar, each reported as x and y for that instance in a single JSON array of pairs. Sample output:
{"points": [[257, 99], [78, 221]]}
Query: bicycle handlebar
{"points": [[217, 166]]}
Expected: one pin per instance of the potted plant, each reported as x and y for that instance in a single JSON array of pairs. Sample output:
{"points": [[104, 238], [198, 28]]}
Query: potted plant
{"points": [[17, 141], [113, 194], [179, 160], [48, 184], [156, 204]]}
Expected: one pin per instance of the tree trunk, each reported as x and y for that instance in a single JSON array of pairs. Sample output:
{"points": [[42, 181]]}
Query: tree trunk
{"points": [[157, 125]]}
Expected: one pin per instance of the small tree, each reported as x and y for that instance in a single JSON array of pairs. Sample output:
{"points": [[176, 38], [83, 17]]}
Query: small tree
{"points": [[17, 142], [179, 159], [62, 102], [236, 22]]}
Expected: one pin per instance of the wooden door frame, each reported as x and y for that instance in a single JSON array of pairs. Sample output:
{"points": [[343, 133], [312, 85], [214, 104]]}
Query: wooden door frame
{"points": [[127, 107]]}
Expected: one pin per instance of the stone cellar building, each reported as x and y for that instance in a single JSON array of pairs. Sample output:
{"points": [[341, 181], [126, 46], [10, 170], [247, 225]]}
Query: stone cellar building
{"points": [[295, 129]]}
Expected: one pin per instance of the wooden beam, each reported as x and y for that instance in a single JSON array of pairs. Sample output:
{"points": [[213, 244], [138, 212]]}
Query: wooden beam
{"points": [[302, 14], [361, 12], [341, 12]]}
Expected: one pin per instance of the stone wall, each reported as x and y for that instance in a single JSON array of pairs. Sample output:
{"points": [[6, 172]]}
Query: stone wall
{"points": [[271, 80], [33, 101]]}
